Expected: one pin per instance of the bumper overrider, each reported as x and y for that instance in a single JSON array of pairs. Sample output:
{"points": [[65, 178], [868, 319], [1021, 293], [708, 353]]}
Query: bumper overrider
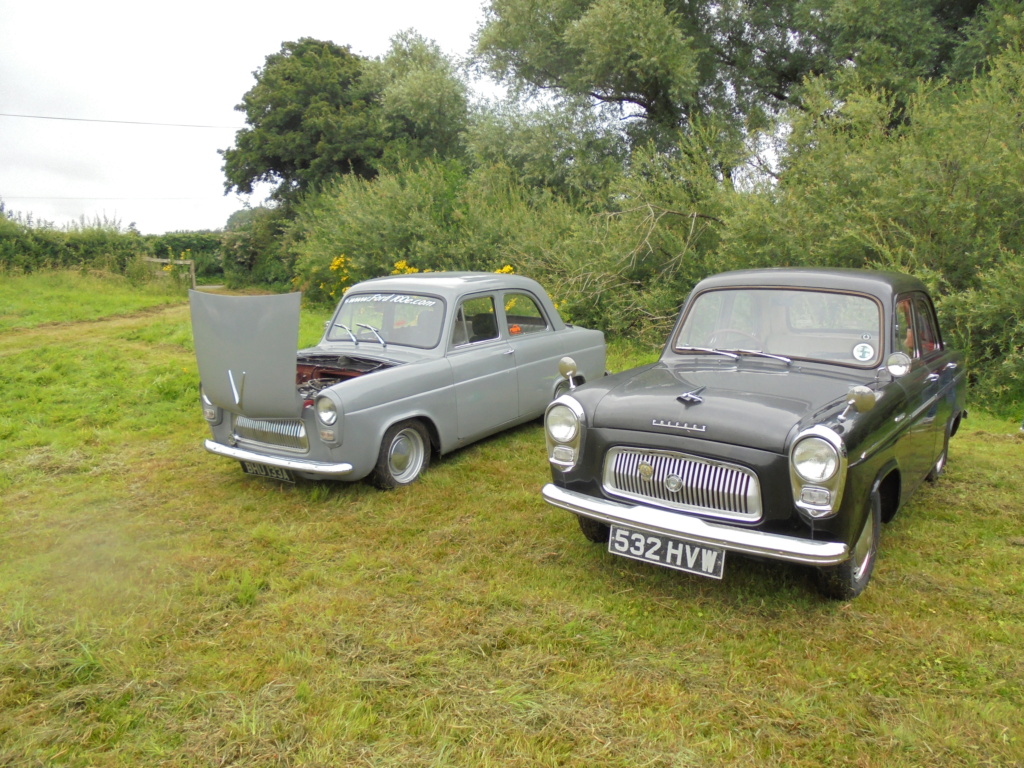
{"points": [[697, 531], [303, 466]]}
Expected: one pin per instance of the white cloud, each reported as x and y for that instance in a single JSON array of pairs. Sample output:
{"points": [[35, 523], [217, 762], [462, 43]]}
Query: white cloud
{"points": [[187, 63]]}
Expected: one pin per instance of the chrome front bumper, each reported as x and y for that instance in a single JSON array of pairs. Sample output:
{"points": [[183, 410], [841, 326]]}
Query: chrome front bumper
{"points": [[697, 531], [302, 466]]}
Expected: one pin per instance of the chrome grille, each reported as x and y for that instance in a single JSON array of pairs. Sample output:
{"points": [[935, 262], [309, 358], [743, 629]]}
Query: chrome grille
{"points": [[287, 434], [683, 482]]}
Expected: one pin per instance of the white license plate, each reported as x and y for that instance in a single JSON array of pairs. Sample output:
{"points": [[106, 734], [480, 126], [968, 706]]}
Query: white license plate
{"points": [[666, 551], [265, 470]]}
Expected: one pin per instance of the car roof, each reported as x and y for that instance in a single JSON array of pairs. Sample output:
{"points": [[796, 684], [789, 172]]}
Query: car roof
{"points": [[876, 283], [448, 284]]}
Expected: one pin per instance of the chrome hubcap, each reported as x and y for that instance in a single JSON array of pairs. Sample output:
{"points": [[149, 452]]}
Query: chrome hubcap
{"points": [[405, 455]]}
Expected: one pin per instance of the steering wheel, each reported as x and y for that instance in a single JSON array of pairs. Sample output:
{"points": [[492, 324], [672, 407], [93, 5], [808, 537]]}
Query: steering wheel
{"points": [[725, 331]]}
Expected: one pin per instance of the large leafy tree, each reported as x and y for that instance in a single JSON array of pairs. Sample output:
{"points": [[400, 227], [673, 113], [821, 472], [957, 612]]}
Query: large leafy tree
{"points": [[670, 61], [424, 103], [318, 111], [310, 117]]}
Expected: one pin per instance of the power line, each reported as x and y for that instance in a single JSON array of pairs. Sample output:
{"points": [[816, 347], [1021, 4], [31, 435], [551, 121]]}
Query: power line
{"points": [[135, 199], [120, 122]]}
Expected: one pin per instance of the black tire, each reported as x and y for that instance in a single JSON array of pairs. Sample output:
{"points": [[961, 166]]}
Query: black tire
{"points": [[404, 455], [847, 580], [593, 530]]}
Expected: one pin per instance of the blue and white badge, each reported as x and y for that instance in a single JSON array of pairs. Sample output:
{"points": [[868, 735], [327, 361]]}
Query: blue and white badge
{"points": [[863, 352]]}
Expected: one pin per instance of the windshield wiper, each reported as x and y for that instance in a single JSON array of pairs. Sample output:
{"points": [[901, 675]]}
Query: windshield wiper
{"points": [[347, 330], [761, 353], [734, 353], [709, 351], [375, 332]]}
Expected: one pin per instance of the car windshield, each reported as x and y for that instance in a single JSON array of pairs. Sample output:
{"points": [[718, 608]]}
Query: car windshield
{"points": [[789, 323], [380, 319]]}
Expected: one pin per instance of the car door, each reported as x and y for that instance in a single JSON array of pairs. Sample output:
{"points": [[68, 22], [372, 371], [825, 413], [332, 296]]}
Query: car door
{"points": [[916, 448], [941, 368], [483, 370], [537, 350]]}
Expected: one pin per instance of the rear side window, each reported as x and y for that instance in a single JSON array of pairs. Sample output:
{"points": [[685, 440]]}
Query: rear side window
{"points": [[522, 315]]}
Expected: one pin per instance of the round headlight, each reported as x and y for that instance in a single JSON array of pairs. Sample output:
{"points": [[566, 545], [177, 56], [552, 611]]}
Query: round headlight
{"points": [[815, 460], [562, 424], [326, 410]]}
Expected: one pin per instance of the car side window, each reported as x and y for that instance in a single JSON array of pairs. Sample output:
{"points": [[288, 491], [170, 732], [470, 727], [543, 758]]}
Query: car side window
{"points": [[522, 315], [475, 321], [903, 328], [927, 328]]}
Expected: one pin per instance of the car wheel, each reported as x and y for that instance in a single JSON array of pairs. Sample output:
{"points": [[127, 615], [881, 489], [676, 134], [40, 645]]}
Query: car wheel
{"points": [[404, 455], [593, 530], [847, 580]]}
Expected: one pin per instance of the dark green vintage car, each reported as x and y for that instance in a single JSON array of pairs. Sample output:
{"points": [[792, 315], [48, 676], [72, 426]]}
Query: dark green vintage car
{"points": [[792, 412]]}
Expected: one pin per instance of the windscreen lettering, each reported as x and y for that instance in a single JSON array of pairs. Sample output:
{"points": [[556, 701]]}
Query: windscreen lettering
{"points": [[391, 298]]}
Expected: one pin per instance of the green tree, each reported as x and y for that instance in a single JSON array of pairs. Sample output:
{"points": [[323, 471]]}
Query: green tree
{"points": [[669, 61], [310, 117], [423, 104], [664, 60], [566, 149]]}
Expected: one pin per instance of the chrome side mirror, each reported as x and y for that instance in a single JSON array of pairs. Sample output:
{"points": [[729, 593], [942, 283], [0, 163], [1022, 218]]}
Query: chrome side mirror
{"points": [[860, 399], [567, 367], [897, 364]]}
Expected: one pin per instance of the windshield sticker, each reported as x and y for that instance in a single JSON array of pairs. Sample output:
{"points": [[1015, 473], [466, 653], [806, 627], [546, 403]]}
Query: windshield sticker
{"points": [[391, 298], [863, 352]]}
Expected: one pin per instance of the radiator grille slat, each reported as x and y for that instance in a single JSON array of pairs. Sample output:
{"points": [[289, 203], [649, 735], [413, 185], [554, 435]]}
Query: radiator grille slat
{"points": [[285, 434], [683, 482]]}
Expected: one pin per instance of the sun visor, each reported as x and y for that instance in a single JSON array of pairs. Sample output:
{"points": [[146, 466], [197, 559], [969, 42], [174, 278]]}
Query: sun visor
{"points": [[246, 351]]}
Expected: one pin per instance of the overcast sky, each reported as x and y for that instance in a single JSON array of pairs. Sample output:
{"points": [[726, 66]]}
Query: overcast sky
{"points": [[186, 63]]}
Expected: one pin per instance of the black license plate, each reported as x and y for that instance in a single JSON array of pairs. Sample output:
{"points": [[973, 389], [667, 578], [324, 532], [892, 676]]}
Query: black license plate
{"points": [[265, 470], [664, 550]]}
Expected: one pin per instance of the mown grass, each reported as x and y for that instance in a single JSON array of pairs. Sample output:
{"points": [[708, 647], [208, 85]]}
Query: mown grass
{"points": [[159, 608]]}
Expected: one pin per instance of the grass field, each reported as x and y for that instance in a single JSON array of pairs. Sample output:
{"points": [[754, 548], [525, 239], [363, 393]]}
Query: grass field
{"points": [[157, 607]]}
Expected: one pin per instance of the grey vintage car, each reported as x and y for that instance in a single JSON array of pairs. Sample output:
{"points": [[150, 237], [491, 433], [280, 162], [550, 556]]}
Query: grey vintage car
{"points": [[791, 413], [408, 366]]}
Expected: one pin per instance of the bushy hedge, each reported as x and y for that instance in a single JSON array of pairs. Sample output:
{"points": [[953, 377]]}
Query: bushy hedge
{"points": [[27, 246]]}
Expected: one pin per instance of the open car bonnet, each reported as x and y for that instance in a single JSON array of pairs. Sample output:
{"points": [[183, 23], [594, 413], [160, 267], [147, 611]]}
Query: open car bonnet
{"points": [[246, 350]]}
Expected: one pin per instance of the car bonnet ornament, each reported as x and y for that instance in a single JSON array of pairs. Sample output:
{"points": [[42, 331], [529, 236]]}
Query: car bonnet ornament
{"points": [[692, 397]]}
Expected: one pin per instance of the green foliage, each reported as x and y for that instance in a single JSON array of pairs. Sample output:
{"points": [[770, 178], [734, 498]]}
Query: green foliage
{"points": [[988, 321], [417, 215], [319, 111], [256, 250], [204, 248], [26, 245], [423, 102], [309, 119], [564, 149]]}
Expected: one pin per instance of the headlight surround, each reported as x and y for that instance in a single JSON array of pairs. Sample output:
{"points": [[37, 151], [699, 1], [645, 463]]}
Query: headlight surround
{"points": [[817, 472], [815, 460], [562, 424], [210, 411], [563, 432], [326, 411]]}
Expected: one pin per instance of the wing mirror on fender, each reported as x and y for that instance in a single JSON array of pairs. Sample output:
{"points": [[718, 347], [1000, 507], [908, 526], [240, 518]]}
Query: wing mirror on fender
{"points": [[567, 367], [860, 399]]}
